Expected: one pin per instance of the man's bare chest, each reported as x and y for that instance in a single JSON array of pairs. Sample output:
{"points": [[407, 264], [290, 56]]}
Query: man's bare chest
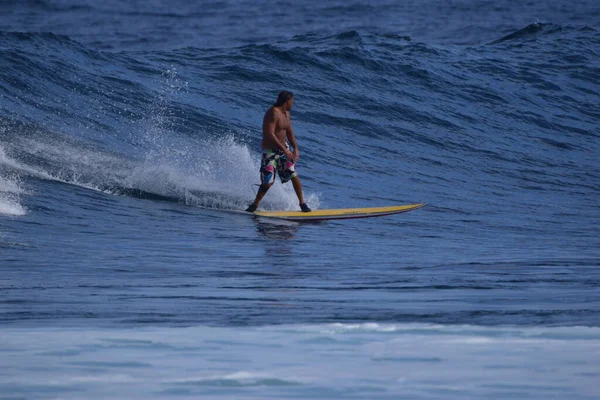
{"points": [[283, 122]]}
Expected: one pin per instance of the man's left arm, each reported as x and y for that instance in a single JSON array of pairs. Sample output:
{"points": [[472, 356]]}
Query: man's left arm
{"points": [[292, 139]]}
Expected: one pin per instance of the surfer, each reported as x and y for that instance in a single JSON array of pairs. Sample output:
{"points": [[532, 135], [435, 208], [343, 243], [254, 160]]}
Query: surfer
{"points": [[277, 156]]}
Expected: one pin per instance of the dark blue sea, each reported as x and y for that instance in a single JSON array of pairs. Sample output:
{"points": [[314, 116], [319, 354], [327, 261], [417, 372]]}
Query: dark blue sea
{"points": [[130, 131]]}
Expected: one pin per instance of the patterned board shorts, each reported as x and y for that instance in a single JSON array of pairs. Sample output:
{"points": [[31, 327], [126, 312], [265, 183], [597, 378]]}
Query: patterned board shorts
{"points": [[275, 160]]}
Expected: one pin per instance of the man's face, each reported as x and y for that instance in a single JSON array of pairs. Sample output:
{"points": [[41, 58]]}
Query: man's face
{"points": [[290, 103]]}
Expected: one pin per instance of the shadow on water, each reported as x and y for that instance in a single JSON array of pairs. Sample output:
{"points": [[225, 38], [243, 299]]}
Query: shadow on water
{"points": [[272, 228], [275, 229]]}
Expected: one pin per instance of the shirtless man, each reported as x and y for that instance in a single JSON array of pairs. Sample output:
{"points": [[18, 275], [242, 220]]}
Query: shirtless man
{"points": [[277, 157]]}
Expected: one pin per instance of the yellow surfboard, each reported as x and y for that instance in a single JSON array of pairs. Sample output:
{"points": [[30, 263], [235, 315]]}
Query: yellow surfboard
{"points": [[340, 213]]}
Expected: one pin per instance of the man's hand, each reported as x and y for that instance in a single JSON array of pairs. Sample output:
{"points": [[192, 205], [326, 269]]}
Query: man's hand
{"points": [[296, 155], [288, 154]]}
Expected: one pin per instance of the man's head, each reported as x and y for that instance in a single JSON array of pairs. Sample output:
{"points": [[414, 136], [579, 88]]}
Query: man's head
{"points": [[285, 100]]}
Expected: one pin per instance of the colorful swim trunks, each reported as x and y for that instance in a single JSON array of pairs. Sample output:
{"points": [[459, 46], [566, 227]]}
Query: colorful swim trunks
{"points": [[275, 161]]}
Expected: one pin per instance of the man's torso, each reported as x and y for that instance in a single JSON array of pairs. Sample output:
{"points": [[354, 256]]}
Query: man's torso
{"points": [[282, 124]]}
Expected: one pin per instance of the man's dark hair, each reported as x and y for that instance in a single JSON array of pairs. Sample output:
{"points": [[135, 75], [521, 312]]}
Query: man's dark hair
{"points": [[283, 97]]}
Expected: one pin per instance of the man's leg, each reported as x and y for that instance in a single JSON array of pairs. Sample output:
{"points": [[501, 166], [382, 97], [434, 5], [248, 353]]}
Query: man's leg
{"points": [[298, 189], [262, 190], [267, 179], [290, 172]]}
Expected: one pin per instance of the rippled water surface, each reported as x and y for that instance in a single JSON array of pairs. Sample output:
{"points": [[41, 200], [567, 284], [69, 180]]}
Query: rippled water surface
{"points": [[130, 131]]}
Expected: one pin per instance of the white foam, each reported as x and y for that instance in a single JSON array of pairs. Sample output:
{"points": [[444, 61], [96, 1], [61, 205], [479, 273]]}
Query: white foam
{"points": [[9, 207], [10, 190], [210, 173], [218, 173], [10, 186], [23, 167]]}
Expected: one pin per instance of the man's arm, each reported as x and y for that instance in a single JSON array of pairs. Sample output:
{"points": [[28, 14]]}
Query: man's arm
{"points": [[292, 139]]}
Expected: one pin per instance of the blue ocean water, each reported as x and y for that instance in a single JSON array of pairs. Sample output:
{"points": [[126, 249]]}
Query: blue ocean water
{"points": [[129, 131]]}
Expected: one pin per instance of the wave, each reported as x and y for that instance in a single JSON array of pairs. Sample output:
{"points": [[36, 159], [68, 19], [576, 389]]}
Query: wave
{"points": [[544, 30], [168, 124], [204, 173]]}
